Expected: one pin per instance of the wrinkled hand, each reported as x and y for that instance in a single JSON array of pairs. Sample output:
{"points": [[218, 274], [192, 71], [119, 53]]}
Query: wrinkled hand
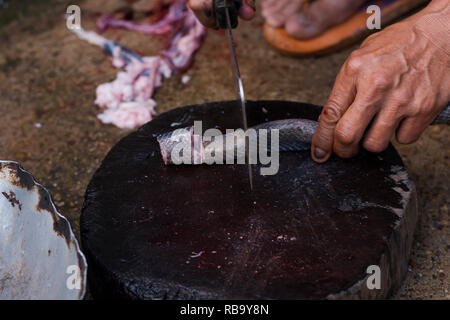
{"points": [[396, 83], [203, 9]]}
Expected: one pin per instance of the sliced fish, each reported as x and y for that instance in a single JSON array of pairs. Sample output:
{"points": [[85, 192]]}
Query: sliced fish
{"points": [[293, 135]]}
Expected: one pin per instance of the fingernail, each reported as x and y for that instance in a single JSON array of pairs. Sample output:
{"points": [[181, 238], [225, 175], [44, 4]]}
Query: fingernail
{"points": [[319, 153]]}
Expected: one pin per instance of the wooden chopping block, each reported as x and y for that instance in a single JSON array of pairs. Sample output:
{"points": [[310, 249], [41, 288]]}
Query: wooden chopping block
{"points": [[151, 231]]}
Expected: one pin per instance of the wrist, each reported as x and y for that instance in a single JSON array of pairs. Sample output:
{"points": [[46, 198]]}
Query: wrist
{"points": [[434, 24]]}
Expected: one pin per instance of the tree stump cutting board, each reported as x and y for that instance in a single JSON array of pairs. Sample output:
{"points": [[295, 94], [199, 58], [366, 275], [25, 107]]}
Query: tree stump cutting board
{"points": [[151, 231]]}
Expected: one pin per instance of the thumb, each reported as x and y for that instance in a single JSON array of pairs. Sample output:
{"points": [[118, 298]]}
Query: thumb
{"points": [[248, 9]]}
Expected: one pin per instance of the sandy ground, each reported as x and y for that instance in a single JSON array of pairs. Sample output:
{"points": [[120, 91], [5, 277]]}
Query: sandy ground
{"points": [[48, 118]]}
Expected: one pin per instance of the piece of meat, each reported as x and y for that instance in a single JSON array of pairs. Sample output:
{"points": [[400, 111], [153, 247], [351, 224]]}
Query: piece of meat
{"points": [[176, 13], [127, 100]]}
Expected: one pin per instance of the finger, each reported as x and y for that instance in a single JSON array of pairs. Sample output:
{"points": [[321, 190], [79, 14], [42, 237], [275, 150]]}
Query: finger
{"points": [[203, 10], [381, 131], [410, 129], [351, 127], [341, 98], [247, 11]]}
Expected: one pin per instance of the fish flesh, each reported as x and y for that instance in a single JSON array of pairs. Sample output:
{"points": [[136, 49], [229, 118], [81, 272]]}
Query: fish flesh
{"points": [[292, 135]]}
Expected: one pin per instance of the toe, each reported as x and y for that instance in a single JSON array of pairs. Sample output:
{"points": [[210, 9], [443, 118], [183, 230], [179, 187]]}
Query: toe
{"points": [[320, 15], [277, 12], [303, 26]]}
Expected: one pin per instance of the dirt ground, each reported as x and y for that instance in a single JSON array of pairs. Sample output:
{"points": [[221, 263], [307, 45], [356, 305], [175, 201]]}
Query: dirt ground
{"points": [[48, 118]]}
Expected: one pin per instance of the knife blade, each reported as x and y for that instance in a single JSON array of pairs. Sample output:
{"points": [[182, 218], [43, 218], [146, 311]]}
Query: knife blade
{"points": [[239, 88]]}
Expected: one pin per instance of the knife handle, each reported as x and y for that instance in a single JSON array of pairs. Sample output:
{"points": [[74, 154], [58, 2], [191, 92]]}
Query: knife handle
{"points": [[220, 7]]}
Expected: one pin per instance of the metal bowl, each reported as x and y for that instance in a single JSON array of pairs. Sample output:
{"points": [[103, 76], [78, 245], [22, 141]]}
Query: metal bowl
{"points": [[39, 255]]}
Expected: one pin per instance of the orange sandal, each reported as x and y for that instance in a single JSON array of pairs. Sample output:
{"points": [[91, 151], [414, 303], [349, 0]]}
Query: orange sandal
{"points": [[340, 36]]}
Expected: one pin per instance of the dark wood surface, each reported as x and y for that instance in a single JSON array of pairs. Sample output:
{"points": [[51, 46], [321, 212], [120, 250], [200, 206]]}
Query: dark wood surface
{"points": [[151, 231]]}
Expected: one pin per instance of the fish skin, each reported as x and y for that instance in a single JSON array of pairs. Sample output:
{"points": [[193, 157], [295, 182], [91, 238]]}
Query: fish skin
{"points": [[294, 135]]}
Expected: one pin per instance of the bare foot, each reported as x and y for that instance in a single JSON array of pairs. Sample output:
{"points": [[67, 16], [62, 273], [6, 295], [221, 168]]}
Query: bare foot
{"points": [[302, 20], [276, 12]]}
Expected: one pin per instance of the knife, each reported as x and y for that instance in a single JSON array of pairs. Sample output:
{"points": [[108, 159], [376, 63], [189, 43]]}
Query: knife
{"points": [[226, 13]]}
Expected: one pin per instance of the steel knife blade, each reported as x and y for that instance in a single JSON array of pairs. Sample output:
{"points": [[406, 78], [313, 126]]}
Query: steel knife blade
{"points": [[239, 88]]}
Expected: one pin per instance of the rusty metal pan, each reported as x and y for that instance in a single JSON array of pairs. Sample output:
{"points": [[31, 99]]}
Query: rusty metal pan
{"points": [[39, 255]]}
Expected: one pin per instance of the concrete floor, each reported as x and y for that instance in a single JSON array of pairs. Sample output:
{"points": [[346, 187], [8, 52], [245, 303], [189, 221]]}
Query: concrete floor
{"points": [[48, 76]]}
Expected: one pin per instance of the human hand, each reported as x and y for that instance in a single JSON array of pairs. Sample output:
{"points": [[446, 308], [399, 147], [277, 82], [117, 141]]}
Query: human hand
{"points": [[396, 83], [203, 9]]}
